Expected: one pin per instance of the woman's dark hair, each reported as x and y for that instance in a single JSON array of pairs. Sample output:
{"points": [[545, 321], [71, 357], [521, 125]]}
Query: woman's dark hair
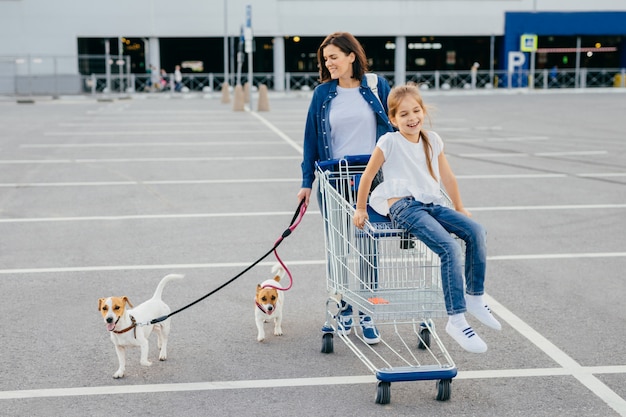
{"points": [[347, 43]]}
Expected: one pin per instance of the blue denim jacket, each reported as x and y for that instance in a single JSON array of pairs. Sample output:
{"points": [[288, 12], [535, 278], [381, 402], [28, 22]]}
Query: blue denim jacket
{"points": [[317, 128]]}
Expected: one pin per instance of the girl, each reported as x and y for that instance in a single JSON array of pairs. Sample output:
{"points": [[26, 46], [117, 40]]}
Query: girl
{"points": [[414, 167]]}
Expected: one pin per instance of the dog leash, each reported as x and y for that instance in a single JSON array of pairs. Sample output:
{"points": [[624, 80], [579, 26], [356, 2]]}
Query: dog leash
{"points": [[295, 221], [280, 261]]}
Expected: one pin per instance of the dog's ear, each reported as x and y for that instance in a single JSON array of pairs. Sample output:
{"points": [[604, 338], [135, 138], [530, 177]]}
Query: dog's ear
{"points": [[127, 301], [100, 301], [258, 288]]}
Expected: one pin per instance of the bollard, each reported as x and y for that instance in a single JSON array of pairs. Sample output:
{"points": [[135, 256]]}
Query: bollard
{"points": [[246, 93], [238, 102], [264, 102], [225, 93]]}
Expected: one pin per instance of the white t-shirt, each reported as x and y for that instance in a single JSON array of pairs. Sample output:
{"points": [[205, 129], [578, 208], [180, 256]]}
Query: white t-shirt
{"points": [[352, 124], [405, 171]]}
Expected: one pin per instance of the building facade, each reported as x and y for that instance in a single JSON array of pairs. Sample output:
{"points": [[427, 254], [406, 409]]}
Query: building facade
{"points": [[61, 42]]}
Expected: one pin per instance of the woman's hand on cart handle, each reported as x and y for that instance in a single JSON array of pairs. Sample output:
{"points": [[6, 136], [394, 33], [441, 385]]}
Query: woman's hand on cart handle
{"points": [[304, 193], [360, 215]]}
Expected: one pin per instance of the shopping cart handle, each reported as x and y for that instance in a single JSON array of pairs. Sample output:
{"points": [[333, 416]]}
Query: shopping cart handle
{"points": [[349, 159]]}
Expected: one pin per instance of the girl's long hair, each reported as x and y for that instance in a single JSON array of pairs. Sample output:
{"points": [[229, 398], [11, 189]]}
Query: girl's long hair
{"points": [[398, 94], [347, 43]]}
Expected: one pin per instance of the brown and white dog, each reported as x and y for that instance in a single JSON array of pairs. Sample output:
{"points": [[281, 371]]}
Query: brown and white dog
{"points": [[269, 303], [124, 324]]}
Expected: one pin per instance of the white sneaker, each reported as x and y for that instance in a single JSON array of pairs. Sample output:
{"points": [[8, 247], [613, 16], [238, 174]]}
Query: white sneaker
{"points": [[467, 338], [483, 314]]}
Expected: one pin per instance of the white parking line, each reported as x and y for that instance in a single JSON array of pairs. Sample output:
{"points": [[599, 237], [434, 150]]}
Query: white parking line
{"points": [[542, 256], [124, 112], [203, 132], [510, 176], [150, 182], [494, 155], [193, 386], [281, 213], [528, 257], [501, 139], [270, 180], [572, 153], [286, 383], [135, 160], [151, 217], [117, 123], [552, 207], [522, 154], [150, 267], [236, 181], [147, 144], [603, 175]]}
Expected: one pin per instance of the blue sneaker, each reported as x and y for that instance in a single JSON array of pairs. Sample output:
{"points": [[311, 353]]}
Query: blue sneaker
{"points": [[345, 319], [370, 332]]}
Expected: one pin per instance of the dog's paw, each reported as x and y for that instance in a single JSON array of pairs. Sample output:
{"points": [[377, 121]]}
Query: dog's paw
{"points": [[146, 363], [260, 338], [162, 357], [118, 374], [278, 332]]}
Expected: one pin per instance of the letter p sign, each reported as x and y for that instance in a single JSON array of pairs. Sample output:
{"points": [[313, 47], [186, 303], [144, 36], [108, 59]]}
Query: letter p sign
{"points": [[516, 60]]}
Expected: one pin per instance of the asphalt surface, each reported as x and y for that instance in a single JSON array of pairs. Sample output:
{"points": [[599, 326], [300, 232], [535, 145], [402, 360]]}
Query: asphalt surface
{"points": [[101, 198]]}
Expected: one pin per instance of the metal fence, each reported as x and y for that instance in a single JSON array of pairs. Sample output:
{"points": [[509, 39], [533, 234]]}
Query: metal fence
{"points": [[23, 75], [437, 80], [58, 75]]}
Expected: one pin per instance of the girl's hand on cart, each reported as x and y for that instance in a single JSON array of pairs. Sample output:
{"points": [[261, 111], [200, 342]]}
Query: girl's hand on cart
{"points": [[306, 194], [463, 210], [360, 215]]}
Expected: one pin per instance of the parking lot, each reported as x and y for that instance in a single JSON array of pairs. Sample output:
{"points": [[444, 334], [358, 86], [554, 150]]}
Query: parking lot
{"points": [[101, 198]]}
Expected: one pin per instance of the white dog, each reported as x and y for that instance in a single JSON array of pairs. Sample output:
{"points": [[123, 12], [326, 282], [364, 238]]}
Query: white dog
{"points": [[124, 325], [269, 303]]}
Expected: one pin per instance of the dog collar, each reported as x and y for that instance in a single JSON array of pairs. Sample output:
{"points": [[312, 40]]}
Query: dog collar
{"points": [[133, 327], [269, 313]]}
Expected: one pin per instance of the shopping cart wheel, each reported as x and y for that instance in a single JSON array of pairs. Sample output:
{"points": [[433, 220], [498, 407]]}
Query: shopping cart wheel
{"points": [[383, 393], [444, 389], [327, 343], [424, 339]]}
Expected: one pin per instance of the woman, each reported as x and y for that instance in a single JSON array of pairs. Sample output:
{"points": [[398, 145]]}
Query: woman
{"points": [[345, 117]]}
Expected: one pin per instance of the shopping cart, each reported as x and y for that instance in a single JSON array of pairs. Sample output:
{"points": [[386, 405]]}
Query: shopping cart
{"points": [[387, 274]]}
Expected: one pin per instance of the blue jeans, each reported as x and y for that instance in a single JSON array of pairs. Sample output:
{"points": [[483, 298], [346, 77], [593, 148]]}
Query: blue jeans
{"points": [[433, 224]]}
